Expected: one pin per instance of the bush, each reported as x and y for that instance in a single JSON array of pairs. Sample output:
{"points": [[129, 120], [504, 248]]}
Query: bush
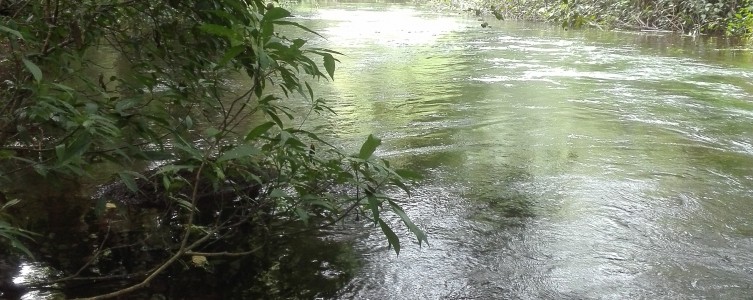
{"points": [[221, 160], [694, 17]]}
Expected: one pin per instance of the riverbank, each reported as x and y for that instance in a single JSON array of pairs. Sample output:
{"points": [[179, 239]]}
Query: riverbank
{"points": [[734, 18]]}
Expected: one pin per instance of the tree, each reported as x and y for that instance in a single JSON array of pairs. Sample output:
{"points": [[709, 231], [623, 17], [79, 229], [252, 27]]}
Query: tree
{"points": [[228, 169]]}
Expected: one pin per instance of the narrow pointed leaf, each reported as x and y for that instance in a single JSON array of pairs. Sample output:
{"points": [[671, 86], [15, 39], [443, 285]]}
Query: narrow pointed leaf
{"points": [[259, 130], [11, 31], [392, 238], [329, 64], [34, 69], [420, 235], [9, 204], [374, 205], [217, 30], [129, 180], [276, 14], [187, 205], [302, 214], [368, 147], [238, 152], [297, 25], [231, 53]]}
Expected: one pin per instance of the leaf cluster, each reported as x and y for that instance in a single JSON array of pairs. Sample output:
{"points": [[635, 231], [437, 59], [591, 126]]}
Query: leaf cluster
{"points": [[222, 157]]}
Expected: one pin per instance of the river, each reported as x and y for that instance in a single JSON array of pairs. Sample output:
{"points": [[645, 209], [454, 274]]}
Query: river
{"points": [[558, 164]]}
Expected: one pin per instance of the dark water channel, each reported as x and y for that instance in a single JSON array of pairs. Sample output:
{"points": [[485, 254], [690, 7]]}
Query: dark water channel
{"points": [[559, 164]]}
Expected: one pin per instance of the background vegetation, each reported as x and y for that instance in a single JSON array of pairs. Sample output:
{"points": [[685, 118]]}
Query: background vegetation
{"points": [[688, 16], [200, 172]]}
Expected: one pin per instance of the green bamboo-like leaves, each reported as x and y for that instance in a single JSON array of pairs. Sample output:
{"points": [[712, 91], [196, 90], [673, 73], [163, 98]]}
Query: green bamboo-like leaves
{"points": [[329, 64], [420, 234], [74, 150], [129, 179], [13, 32], [34, 69], [240, 151], [392, 238], [218, 30], [259, 130], [172, 110], [275, 13], [368, 147], [12, 234]]}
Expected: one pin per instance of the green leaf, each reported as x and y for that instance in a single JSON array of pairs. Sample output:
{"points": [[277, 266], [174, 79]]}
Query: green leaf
{"points": [[129, 179], [374, 205], [259, 130], [392, 238], [12, 234], [232, 53], [267, 32], [368, 147], [240, 151], [420, 235], [212, 132], [399, 183], [41, 169], [297, 25], [34, 69], [15, 243], [302, 214], [217, 30], [329, 64], [7, 154], [275, 118], [190, 149], [185, 204], [324, 204], [75, 149], [275, 14], [9, 204], [166, 169], [311, 91], [11, 31], [64, 87], [278, 193], [100, 206]]}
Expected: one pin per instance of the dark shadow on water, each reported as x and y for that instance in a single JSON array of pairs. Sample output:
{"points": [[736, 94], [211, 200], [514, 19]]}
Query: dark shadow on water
{"points": [[300, 266]]}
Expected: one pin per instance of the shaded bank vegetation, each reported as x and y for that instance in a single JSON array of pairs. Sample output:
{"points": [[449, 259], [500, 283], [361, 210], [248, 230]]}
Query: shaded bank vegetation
{"points": [[691, 17], [206, 179]]}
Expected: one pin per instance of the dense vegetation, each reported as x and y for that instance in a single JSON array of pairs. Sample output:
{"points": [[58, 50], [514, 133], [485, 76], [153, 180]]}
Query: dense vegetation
{"points": [[693, 17], [201, 172]]}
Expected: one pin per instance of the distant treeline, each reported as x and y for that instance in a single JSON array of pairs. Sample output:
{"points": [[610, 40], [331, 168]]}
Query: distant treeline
{"points": [[729, 17]]}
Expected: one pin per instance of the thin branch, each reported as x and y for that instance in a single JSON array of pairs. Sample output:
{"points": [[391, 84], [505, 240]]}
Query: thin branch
{"points": [[230, 254], [154, 274]]}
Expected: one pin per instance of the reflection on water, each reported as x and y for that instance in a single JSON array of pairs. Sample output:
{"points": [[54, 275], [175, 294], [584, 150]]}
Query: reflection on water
{"points": [[559, 164]]}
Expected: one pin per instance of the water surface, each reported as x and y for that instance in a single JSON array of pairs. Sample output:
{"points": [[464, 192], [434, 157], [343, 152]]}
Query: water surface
{"points": [[559, 164]]}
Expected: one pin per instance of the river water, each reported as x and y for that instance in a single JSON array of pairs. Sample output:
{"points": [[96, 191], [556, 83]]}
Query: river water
{"points": [[558, 164]]}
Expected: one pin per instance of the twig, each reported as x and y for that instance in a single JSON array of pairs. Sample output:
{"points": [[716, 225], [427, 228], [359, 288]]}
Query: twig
{"points": [[209, 254], [184, 247]]}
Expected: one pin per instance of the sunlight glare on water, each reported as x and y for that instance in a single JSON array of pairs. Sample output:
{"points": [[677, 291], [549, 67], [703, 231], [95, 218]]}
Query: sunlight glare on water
{"points": [[394, 27]]}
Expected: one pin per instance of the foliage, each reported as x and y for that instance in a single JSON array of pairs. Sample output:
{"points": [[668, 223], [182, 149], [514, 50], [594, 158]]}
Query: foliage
{"points": [[168, 104], [741, 24], [693, 17], [13, 235]]}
